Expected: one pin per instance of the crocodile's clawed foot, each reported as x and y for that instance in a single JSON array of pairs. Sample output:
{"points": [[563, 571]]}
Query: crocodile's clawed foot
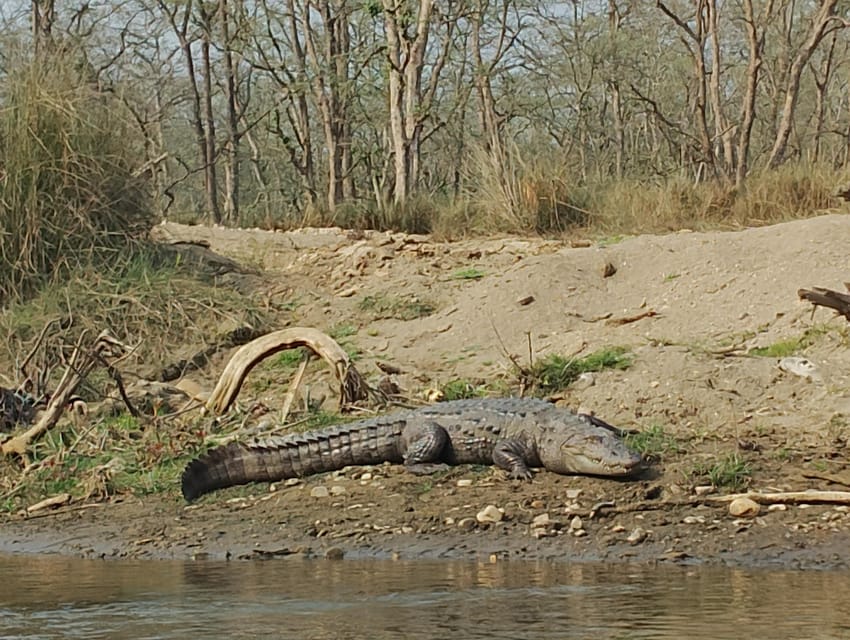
{"points": [[521, 474], [426, 468]]}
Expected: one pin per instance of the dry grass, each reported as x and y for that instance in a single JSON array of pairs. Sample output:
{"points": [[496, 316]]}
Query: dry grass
{"points": [[146, 300], [633, 207], [68, 193], [523, 192]]}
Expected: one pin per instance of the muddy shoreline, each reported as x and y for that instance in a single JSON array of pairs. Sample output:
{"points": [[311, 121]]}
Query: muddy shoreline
{"points": [[402, 519]]}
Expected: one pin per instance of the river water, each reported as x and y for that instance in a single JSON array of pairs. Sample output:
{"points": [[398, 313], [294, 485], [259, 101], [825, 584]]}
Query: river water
{"points": [[58, 597]]}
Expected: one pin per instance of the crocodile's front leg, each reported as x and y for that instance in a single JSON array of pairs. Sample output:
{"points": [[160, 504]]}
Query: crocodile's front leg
{"points": [[425, 446], [512, 456]]}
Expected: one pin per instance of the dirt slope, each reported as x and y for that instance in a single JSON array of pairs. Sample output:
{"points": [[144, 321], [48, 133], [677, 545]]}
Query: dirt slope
{"points": [[712, 298]]}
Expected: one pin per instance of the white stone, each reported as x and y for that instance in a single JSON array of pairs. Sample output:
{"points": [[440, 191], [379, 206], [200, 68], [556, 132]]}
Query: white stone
{"points": [[490, 513]]}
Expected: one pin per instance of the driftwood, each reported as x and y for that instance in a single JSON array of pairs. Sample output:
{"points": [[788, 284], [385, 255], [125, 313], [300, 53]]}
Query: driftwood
{"points": [[352, 386], [788, 497], [821, 297]]}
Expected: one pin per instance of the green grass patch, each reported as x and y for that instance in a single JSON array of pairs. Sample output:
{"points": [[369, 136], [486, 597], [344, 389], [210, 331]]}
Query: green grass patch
{"points": [[470, 273], [461, 388], [289, 359], [383, 306], [730, 471], [555, 372], [780, 349], [654, 442], [791, 346]]}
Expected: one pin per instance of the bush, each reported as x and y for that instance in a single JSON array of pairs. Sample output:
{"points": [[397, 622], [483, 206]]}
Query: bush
{"points": [[69, 196]]}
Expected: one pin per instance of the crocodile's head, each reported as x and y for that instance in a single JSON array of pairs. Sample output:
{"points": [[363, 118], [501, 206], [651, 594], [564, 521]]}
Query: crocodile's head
{"points": [[591, 449]]}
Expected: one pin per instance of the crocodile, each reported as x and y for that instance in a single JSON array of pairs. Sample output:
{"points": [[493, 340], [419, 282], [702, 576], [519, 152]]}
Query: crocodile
{"points": [[512, 433]]}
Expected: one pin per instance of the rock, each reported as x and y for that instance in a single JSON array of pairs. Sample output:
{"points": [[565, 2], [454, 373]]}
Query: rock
{"points": [[291, 482], [637, 536], [467, 524], [537, 504], [584, 381], [580, 533], [744, 508], [693, 520], [543, 520], [337, 490], [608, 270], [319, 492], [573, 494], [617, 528], [464, 482], [802, 367], [490, 513], [703, 489], [334, 553], [778, 507], [366, 476]]}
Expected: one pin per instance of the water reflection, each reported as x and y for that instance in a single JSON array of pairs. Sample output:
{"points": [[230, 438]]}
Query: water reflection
{"points": [[52, 597]]}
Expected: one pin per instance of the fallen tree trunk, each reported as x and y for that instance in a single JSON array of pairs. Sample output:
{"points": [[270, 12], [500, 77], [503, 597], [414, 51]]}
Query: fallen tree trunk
{"points": [[821, 297], [352, 386]]}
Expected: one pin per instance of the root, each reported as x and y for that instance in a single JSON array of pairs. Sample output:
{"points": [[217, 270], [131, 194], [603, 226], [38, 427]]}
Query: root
{"points": [[352, 386]]}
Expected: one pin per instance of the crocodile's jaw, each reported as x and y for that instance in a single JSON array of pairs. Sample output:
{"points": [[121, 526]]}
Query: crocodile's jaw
{"points": [[597, 452], [626, 463]]}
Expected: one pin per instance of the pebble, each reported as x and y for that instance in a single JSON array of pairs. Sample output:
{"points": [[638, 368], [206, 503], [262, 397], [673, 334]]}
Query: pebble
{"points": [[703, 489], [637, 536], [543, 520], [778, 507], [744, 508], [584, 381], [576, 524], [537, 504], [573, 494], [319, 492], [366, 476], [464, 482], [291, 482], [407, 529], [490, 513], [337, 490], [466, 524], [580, 533], [693, 520], [618, 528], [334, 553]]}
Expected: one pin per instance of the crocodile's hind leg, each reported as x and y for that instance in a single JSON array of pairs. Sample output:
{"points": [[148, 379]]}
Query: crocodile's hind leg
{"points": [[512, 455], [425, 447]]}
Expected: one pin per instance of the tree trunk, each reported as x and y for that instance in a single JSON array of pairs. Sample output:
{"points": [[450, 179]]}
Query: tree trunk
{"points": [[231, 186], [755, 42], [406, 57], [210, 178], [816, 33]]}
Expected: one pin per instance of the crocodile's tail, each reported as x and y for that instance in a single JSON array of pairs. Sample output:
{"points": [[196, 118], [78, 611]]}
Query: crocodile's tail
{"points": [[229, 465]]}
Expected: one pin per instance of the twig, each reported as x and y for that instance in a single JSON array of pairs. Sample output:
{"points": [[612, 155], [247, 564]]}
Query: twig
{"points": [[829, 477], [293, 387]]}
